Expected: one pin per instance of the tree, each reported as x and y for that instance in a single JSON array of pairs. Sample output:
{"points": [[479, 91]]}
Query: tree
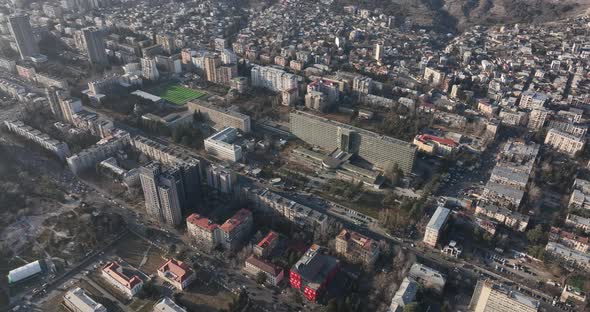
{"points": [[536, 234], [261, 278], [394, 174]]}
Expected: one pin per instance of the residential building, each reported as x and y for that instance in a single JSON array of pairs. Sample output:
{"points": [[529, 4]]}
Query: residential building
{"points": [[273, 79], [532, 100], [60, 149], [220, 117], [163, 192], [167, 305], [15, 90], [220, 145], [379, 150], [206, 233], [405, 294], [313, 272], [505, 216], [491, 297], [102, 150], [433, 76], [236, 229], [362, 84], [565, 142], [167, 42], [427, 276], [222, 179], [572, 256], [435, 145], [316, 100], [177, 273], [149, 69], [578, 222], [266, 245], [302, 216], [78, 301], [22, 32], [569, 239], [113, 273], [357, 247], [537, 118], [94, 46], [436, 226], [254, 265]]}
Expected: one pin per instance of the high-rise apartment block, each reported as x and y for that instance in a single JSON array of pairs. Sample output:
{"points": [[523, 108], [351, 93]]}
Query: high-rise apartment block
{"points": [[149, 69], [93, 43], [381, 151], [221, 179], [491, 297], [273, 79], [163, 192], [167, 42], [21, 30]]}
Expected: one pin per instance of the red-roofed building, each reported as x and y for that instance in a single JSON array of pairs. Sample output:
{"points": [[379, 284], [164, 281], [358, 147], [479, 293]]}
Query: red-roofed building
{"points": [[356, 247], [313, 272], [266, 245], [569, 239], [236, 228], [113, 273], [255, 265], [177, 273], [207, 235], [432, 145]]}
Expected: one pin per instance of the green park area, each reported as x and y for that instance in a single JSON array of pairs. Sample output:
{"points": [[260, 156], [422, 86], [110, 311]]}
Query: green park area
{"points": [[176, 94]]}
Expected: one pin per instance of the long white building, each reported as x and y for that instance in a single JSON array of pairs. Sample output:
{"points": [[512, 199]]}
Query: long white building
{"points": [[220, 145], [57, 147], [273, 78], [78, 301]]}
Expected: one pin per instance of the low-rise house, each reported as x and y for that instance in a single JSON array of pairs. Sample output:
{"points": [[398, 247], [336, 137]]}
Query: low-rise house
{"points": [[266, 245], [569, 239], [572, 256], [78, 301], [508, 217], [578, 222], [357, 247], [177, 273], [113, 273], [167, 305], [255, 265], [405, 294], [427, 276]]}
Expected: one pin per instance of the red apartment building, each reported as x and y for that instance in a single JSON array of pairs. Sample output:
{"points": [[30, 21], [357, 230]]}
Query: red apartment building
{"points": [[177, 273], [313, 272]]}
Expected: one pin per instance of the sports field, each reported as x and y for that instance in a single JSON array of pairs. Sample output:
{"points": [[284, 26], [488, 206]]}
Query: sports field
{"points": [[176, 94]]}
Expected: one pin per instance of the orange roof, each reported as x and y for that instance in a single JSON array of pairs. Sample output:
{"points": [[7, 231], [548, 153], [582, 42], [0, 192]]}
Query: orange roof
{"points": [[358, 239], [235, 221], [445, 141], [179, 270], [201, 222], [268, 239], [113, 269]]}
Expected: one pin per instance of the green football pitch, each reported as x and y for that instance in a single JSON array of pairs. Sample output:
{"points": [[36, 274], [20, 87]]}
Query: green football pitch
{"points": [[176, 94]]}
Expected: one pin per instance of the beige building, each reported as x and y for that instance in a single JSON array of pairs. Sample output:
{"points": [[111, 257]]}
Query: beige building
{"points": [[564, 142], [490, 297], [357, 247], [435, 226], [220, 117], [206, 233]]}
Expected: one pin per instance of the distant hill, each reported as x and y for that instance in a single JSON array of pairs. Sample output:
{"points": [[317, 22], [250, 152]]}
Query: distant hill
{"points": [[460, 14]]}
